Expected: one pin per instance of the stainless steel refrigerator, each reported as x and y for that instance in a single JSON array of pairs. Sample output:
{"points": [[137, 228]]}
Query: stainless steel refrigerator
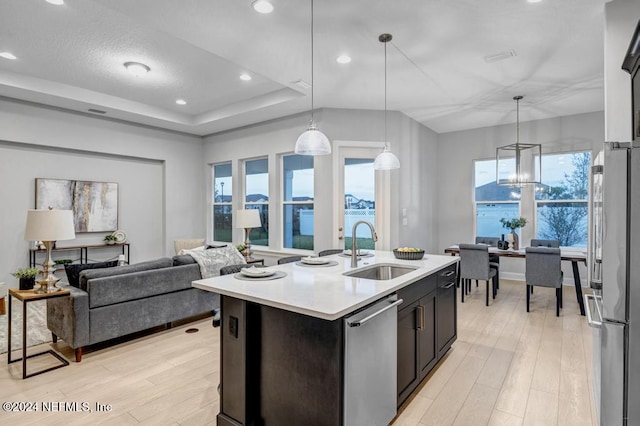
{"points": [[615, 266]]}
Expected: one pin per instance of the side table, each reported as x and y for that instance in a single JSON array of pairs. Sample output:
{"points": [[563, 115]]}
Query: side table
{"points": [[251, 260], [26, 296]]}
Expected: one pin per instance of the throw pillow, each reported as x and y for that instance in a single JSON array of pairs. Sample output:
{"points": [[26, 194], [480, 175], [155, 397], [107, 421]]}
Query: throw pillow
{"points": [[73, 270]]}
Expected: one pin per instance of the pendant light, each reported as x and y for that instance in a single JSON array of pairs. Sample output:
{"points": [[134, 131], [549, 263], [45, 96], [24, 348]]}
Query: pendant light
{"points": [[386, 160], [312, 141], [526, 169]]}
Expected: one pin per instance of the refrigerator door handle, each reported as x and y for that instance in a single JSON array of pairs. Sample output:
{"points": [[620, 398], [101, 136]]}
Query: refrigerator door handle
{"points": [[597, 322]]}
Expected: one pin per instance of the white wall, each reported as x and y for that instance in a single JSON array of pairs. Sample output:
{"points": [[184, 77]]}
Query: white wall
{"points": [[414, 144], [458, 150], [160, 175]]}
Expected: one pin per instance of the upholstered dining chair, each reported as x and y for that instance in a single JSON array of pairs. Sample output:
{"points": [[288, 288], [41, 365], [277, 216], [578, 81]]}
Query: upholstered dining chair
{"points": [[545, 243], [543, 268], [289, 259], [494, 259], [234, 269], [474, 265], [330, 252]]}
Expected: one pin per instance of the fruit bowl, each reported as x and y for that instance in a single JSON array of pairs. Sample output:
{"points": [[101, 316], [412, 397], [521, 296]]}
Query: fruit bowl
{"points": [[416, 254]]}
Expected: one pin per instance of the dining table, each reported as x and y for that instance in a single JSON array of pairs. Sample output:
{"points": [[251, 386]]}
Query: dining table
{"points": [[572, 255]]}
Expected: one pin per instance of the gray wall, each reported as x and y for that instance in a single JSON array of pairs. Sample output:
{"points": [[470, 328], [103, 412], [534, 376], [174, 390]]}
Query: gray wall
{"points": [[457, 150], [415, 145], [161, 180]]}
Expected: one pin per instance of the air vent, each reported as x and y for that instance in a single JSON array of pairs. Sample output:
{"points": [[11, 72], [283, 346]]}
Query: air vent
{"points": [[303, 84], [97, 111], [500, 56]]}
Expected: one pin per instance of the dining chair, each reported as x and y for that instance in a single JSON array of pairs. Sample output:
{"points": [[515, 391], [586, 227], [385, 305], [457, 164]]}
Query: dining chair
{"points": [[289, 259], [545, 243], [543, 269], [330, 252], [494, 259], [474, 265], [233, 269]]}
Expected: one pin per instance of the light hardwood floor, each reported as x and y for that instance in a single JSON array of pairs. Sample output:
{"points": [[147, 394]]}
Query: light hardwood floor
{"points": [[507, 368]]}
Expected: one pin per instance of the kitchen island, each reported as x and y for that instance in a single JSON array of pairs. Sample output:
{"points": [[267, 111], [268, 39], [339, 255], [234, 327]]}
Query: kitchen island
{"points": [[284, 341]]}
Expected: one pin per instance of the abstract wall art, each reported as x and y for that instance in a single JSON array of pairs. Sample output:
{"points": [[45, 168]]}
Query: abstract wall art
{"points": [[94, 204]]}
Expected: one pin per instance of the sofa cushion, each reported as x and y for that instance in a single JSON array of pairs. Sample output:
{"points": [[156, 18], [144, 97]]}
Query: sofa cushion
{"points": [[149, 265], [73, 270], [183, 259], [113, 289]]}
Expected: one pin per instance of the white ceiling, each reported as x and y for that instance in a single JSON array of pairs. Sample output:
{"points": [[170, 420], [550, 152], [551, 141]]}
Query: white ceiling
{"points": [[71, 56]]}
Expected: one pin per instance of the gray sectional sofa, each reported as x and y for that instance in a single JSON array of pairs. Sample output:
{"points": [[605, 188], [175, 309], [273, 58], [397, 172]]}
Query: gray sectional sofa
{"points": [[115, 302]]}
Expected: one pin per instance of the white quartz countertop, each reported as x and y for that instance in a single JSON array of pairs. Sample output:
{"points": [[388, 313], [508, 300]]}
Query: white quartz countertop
{"points": [[324, 292]]}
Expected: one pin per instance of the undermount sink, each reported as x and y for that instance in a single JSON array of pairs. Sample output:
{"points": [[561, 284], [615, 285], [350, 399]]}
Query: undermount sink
{"points": [[380, 271]]}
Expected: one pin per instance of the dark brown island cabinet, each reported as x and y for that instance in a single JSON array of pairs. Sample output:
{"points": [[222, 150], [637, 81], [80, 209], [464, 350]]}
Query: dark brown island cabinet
{"points": [[285, 368], [427, 327]]}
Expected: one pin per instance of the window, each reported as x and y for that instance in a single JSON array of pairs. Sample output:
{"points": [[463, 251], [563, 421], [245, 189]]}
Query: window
{"points": [[222, 208], [493, 201], [256, 186], [561, 199], [297, 202]]}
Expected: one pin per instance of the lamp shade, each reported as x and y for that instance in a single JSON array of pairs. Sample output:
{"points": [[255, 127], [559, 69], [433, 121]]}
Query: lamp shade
{"points": [[49, 225], [312, 142], [386, 160], [248, 218]]}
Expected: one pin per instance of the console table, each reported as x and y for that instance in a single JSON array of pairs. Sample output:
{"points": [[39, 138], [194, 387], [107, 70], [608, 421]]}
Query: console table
{"points": [[83, 249]]}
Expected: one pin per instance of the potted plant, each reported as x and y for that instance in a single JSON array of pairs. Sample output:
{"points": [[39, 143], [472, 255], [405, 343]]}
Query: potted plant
{"points": [[110, 239], [513, 224], [27, 277]]}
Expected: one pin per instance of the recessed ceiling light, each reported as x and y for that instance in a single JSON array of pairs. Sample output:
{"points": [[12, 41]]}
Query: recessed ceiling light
{"points": [[262, 6], [534, 1], [181, 102], [136, 68], [343, 59], [7, 55], [245, 77], [56, 2]]}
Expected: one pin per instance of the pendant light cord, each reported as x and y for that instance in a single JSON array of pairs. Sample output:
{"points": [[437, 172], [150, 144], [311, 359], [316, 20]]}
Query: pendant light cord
{"points": [[517, 121], [312, 61], [385, 96]]}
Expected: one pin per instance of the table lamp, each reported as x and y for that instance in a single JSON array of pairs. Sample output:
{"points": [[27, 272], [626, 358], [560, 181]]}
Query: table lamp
{"points": [[247, 219], [49, 226]]}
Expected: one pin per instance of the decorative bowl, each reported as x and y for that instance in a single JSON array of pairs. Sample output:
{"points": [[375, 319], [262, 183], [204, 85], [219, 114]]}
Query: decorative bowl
{"points": [[408, 255]]}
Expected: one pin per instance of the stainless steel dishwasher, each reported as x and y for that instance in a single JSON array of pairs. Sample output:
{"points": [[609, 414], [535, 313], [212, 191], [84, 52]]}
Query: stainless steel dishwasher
{"points": [[370, 365]]}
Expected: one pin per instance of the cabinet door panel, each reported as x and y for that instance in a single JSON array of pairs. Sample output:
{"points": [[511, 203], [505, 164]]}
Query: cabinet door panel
{"points": [[407, 351], [446, 312], [427, 352]]}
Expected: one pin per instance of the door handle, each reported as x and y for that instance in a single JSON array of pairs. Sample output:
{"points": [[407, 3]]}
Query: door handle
{"points": [[449, 285], [597, 323], [448, 273], [375, 314], [420, 317]]}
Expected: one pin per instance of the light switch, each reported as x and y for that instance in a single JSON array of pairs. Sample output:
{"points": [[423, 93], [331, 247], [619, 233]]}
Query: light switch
{"points": [[405, 221], [404, 213]]}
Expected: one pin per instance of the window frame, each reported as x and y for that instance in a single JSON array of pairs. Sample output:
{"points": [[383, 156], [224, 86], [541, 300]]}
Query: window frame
{"points": [[251, 204], [476, 202], [215, 203], [282, 203], [537, 203]]}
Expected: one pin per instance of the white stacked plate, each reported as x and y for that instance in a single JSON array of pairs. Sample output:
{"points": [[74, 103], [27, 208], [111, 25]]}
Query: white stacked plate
{"points": [[314, 260], [254, 272]]}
